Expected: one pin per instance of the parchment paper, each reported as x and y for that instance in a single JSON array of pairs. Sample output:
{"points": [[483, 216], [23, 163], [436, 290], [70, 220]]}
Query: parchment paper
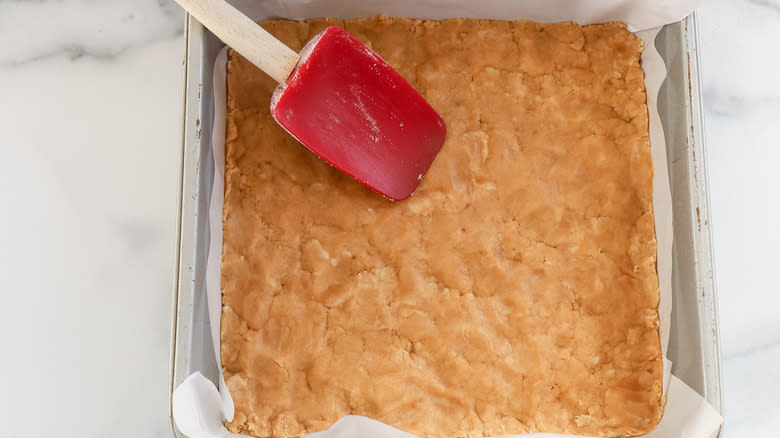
{"points": [[200, 410]]}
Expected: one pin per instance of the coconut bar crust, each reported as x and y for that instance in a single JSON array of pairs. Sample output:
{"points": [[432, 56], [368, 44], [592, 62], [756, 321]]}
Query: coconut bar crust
{"points": [[514, 292]]}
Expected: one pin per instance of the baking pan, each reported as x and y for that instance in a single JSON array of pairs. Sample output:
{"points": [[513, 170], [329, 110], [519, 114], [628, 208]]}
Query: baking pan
{"points": [[693, 343]]}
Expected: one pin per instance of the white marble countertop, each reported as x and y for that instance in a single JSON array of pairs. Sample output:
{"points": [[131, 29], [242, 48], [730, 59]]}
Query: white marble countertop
{"points": [[88, 90]]}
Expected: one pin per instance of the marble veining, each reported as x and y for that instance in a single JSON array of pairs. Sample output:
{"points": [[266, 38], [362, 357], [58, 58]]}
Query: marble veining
{"points": [[742, 105], [740, 62], [90, 89], [90, 107], [730, 105], [769, 4], [38, 30]]}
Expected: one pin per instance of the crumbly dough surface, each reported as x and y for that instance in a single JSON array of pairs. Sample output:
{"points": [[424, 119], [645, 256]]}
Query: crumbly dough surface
{"points": [[515, 291]]}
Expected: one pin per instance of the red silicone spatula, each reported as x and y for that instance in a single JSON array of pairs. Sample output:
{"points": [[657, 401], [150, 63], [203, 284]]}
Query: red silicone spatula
{"points": [[340, 99]]}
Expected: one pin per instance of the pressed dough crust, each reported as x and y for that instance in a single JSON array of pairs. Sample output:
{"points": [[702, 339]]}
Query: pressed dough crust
{"points": [[515, 291]]}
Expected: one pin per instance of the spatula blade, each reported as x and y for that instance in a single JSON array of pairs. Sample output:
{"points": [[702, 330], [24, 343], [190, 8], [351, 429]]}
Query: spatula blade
{"points": [[352, 109]]}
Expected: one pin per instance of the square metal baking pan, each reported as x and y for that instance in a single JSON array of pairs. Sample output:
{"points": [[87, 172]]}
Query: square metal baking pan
{"points": [[693, 344]]}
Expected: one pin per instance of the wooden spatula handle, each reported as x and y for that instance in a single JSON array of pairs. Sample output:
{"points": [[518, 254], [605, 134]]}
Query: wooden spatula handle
{"points": [[245, 36]]}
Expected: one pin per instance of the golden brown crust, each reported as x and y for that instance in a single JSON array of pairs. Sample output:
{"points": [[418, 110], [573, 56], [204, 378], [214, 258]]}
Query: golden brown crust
{"points": [[515, 291]]}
